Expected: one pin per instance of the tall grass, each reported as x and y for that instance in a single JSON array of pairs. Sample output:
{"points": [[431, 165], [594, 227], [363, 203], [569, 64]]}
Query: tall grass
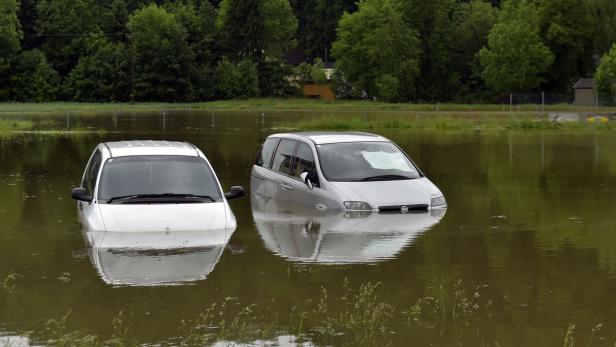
{"points": [[452, 313], [284, 104]]}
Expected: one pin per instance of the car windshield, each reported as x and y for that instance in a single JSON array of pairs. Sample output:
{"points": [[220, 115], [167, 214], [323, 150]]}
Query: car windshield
{"points": [[365, 161], [155, 175]]}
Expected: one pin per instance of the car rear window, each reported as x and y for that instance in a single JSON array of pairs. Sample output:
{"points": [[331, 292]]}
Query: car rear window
{"points": [[283, 160], [304, 160], [264, 158]]}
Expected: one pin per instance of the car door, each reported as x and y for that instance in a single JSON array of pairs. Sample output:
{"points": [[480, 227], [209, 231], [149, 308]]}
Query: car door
{"points": [[262, 180], [90, 177], [282, 170], [303, 161]]}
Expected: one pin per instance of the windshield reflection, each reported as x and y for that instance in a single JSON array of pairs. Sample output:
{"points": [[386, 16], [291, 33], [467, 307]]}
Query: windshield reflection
{"points": [[307, 235], [155, 258]]}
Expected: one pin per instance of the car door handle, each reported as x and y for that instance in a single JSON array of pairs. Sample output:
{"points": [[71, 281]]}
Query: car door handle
{"points": [[286, 186]]}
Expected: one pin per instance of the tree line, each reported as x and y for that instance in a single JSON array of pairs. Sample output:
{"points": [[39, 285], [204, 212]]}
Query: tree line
{"points": [[395, 50]]}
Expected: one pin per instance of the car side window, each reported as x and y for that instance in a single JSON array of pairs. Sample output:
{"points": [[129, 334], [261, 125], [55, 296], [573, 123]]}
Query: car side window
{"points": [[264, 158], [283, 160], [304, 160], [89, 179]]}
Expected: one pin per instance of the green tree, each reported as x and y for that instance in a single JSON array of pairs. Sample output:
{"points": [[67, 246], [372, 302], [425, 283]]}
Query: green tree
{"points": [[199, 22], [27, 17], [241, 25], [312, 72], [10, 32], [605, 77], [115, 19], [33, 79], [102, 76], [256, 28], [472, 22], [604, 16], [317, 22], [163, 61], [432, 20], [274, 78], [236, 80], [64, 26], [375, 41], [10, 36], [566, 27], [515, 60]]}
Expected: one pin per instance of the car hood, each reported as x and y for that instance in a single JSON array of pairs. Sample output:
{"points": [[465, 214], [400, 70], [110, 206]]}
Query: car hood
{"points": [[388, 193], [163, 217]]}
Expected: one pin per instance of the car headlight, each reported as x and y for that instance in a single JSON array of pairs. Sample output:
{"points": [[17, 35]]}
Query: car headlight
{"points": [[438, 201], [357, 205]]}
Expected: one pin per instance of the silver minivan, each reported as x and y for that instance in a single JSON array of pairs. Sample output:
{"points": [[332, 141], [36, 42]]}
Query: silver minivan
{"points": [[343, 171]]}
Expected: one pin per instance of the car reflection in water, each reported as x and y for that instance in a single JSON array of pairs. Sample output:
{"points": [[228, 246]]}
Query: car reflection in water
{"points": [[308, 235], [155, 258]]}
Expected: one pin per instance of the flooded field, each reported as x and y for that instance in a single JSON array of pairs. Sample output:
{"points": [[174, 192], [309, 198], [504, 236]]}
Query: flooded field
{"points": [[524, 255]]}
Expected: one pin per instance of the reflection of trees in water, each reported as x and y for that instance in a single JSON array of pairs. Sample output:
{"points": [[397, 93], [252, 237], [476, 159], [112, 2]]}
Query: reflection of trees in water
{"points": [[557, 235]]}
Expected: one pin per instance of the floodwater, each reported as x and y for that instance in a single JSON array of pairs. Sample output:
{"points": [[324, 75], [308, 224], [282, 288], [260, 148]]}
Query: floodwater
{"points": [[524, 255]]}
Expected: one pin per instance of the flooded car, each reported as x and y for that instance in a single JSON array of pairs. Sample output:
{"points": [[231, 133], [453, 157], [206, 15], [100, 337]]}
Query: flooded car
{"points": [[342, 171], [153, 195], [305, 235]]}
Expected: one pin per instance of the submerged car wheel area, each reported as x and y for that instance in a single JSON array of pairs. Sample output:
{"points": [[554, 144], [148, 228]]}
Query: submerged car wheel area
{"points": [[342, 171], [152, 195]]}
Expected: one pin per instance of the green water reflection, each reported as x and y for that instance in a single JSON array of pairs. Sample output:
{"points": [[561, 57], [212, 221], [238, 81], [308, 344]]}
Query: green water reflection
{"points": [[531, 219]]}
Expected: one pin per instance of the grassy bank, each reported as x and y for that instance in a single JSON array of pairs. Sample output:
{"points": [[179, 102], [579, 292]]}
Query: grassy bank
{"points": [[290, 104], [495, 122], [7, 126]]}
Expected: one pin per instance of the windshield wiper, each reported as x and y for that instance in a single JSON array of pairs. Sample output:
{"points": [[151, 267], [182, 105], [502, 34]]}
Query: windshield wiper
{"points": [[386, 178], [160, 195]]}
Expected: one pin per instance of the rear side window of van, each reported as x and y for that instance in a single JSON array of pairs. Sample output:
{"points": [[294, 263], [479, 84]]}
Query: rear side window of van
{"points": [[264, 158], [283, 160]]}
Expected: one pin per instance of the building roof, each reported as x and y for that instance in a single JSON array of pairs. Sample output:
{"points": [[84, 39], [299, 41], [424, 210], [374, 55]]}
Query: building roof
{"points": [[149, 147], [324, 137], [584, 83]]}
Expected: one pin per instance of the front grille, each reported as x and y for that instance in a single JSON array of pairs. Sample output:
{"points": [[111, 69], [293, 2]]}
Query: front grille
{"points": [[415, 208]]}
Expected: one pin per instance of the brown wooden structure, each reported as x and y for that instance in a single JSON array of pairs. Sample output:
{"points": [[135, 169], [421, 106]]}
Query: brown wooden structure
{"points": [[322, 91]]}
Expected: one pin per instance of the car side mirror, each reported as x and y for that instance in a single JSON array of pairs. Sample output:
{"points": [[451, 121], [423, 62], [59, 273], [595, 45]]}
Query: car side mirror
{"points": [[80, 194], [305, 177], [235, 192]]}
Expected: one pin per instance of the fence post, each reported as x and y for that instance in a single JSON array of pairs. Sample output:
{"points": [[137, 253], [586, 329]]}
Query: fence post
{"points": [[542, 101], [510, 102]]}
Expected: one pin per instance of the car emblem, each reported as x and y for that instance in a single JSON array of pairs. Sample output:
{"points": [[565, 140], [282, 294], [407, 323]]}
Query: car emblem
{"points": [[404, 209]]}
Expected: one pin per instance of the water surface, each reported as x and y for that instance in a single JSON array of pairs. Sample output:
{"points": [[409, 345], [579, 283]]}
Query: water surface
{"points": [[528, 239]]}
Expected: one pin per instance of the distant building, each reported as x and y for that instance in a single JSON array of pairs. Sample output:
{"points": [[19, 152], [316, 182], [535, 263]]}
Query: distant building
{"points": [[585, 93], [329, 70]]}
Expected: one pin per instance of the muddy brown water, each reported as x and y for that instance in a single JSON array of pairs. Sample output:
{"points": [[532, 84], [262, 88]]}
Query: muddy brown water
{"points": [[526, 248]]}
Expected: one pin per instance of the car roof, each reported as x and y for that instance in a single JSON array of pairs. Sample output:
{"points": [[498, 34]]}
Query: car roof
{"points": [[150, 147], [324, 137]]}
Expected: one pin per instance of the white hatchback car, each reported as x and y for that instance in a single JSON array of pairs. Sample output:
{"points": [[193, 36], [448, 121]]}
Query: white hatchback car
{"points": [[342, 171], [166, 192]]}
